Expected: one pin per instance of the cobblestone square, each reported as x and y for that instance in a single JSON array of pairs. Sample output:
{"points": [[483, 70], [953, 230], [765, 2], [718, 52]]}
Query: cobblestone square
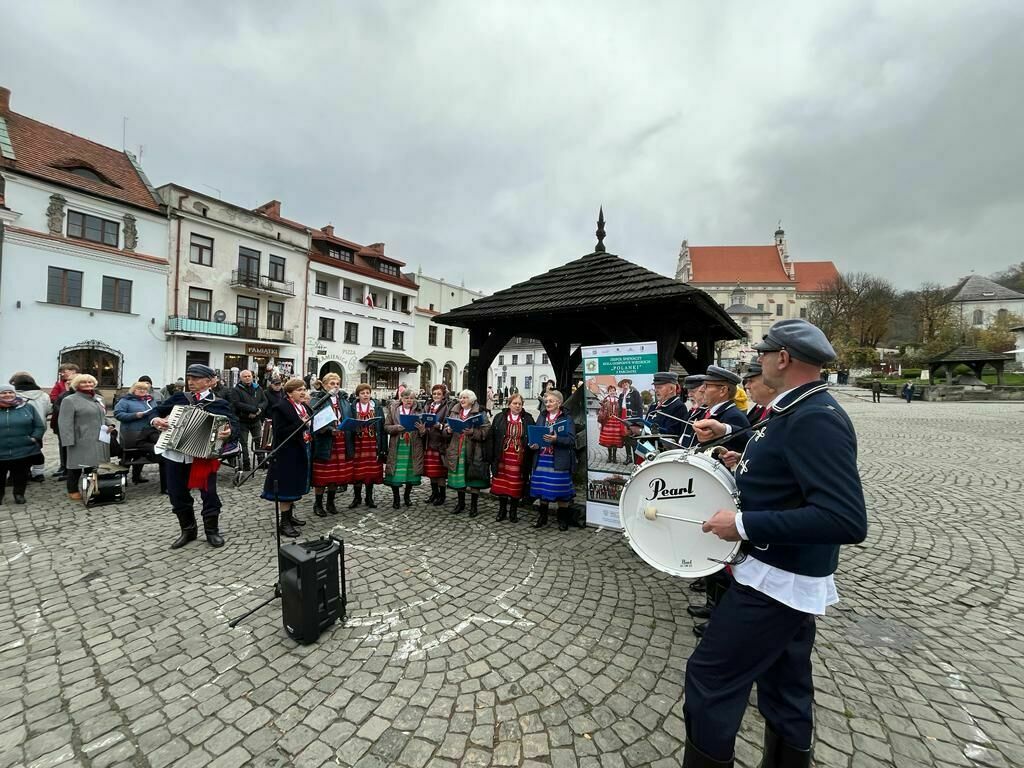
{"points": [[476, 643]]}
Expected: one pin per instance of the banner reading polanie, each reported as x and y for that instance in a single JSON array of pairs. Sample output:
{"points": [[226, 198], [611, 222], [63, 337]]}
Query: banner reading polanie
{"points": [[619, 379]]}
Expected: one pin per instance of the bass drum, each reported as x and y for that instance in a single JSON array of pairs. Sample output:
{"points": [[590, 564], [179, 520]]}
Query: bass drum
{"points": [[663, 506]]}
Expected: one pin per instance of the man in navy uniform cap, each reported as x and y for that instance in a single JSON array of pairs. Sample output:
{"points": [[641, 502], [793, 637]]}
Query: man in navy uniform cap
{"points": [[799, 504], [669, 413], [718, 392], [182, 471], [759, 393]]}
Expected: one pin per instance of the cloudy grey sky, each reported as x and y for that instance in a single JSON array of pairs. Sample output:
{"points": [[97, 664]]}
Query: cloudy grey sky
{"points": [[477, 139]]}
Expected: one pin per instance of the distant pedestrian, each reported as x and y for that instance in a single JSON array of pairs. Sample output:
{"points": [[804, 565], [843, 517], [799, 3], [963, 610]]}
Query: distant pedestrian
{"points": [[876, 391], [908, 391]]}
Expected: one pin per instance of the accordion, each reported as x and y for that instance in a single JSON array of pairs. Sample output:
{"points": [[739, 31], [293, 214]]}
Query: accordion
{"points": [[193, 432]]}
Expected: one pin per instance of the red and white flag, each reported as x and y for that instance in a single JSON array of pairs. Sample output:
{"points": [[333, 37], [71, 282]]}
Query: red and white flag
{"points": [[369, 301]]}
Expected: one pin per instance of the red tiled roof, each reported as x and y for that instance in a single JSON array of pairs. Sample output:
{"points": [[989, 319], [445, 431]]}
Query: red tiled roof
{"points": [[736, 264], [38, 147], [811, 275]]}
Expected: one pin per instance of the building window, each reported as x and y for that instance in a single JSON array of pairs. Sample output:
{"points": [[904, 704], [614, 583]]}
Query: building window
{"points": [[432, 335], [327, 328], [448, 337], [64, 286], [803, 312], [979, 317], [275, 315], [387, 269], [512, 382], [398, 340], [92, 228], [501, 359], [248, 312], [529, 361], [241, 362], [276, 268], [528, 383], [200, 303], [378, 337], [761, 307], [340, 254], [248, 262], [544, 359], [346, 293], [738, 296], [117, 294], [351, 333], [201, 250], [515, 359], [405, 303], [1002, 315], [778, 309], [321, 288]]}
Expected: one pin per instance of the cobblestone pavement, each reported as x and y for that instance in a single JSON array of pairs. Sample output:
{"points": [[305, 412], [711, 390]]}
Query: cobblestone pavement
{"points": [[474, 643]]}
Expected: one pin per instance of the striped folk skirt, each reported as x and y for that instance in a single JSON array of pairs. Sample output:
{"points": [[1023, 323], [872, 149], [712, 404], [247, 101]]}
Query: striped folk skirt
{"points": [[403, 465], [457, 475], [509, 480], [613, 433], [336, 470], [366, 468], [547, 484], [433, 467]]}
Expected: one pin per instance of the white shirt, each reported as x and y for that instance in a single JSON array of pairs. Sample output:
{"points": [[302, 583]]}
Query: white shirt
{"points": [[807, 594]]}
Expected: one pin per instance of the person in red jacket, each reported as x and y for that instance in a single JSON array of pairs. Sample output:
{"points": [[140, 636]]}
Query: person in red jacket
{"points": [[65, 373]]}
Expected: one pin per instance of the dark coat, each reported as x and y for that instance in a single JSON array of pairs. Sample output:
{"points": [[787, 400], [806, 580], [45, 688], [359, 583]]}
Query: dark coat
{"points": [[21, 431], [499, 427], [55, 413], [273, 396], [249, 403], [290, 466], [564, 457], [800, 491], [323, 440], [127, 412], [729, 413], [436, 438], [632, 402], [676, 407], [475, 440], [211, 403], [394, 430]]}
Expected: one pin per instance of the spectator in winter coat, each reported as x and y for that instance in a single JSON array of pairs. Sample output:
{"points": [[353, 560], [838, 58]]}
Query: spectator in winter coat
{"points": [[26, 387], [135, 411], [21, 438], [249, 402]]}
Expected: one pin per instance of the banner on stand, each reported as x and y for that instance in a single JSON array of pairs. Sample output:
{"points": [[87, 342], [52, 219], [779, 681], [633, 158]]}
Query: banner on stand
{"points": [[620, 384]]}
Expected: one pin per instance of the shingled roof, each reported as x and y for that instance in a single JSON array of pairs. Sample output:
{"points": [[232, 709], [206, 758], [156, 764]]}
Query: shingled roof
{"points": [[978, 288], [968, 354], [595, 281]]}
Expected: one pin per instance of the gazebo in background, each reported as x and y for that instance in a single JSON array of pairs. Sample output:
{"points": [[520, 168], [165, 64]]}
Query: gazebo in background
{"points": [[974, 358], [597, 299]]}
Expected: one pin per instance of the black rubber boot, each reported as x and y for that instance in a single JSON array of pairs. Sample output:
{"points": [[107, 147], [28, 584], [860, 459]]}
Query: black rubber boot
{"points": [[212, 531], [407, 498], [502, 508], [613, 453], [295, 518], [189, 530], [778, 754], [474, 499], [461, 506], [357, 496], [434, 493], [287, 528], [694, 758], [397, 501], [563, 518], [513, 512], [318, 506], [331, 494], [442, 494], [542, 518], [702, 611], [369, 496]]}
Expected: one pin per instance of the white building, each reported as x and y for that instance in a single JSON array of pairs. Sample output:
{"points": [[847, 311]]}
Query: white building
{"points": [[522, 364], [235, 297], [359, 315], [443, 350], [83, 257], [979, 302]]}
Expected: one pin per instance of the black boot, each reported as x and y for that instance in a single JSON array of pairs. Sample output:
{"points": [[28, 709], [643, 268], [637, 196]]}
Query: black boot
{"points": [[407, 498], [612, 455], [779, 754], [461, 506], [563, 518], [434, 493], [189, 530], [502, 508], [542, 518], [357, 496], [369, 496], [702, 611], [575, 518], [698, 629], [295, 519], [397, 501], [287, 527], [442, 494], [318, 506], [694, 758], [212, 531], [137, 475], [19, 498], [474, 498], [513, 512], [331, 508]]}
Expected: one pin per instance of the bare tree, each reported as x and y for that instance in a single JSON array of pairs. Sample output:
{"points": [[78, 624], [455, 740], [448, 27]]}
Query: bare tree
{"points": [[856, 307], [933, 311]]}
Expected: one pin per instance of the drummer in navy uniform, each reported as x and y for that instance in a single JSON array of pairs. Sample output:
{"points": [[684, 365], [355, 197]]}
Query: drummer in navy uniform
{"points": [[718, 392], [799, 505], [668, 414], [695, 407], [760, 393], [182, 471]]}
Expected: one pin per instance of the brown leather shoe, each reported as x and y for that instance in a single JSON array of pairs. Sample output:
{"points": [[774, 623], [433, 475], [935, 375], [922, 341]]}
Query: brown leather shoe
{"points": [[76, 496]]}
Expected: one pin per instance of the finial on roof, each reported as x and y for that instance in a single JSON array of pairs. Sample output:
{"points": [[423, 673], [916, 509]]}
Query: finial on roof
{"points": [[600, 232]]}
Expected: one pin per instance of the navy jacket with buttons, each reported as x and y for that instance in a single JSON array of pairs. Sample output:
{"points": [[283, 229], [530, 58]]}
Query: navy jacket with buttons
{"points": [[800, 492], [669, 426], [729, 414]]}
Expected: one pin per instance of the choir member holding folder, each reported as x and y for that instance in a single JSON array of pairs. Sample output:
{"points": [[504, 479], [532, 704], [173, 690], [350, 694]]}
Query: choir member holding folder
{"points": [[435, 443], [367, 468], [468, 428], [510, 464], [555, 460], [405, 448], [287, 479], [332, 447]]}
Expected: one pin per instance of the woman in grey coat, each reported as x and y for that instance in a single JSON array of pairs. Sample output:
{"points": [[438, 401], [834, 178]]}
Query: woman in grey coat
{"points": [[81, 416]]}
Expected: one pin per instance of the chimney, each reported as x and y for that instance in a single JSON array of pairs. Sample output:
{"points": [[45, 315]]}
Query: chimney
{"points": [[378, 247], [5, 99], [271, 209], [328, 230]]}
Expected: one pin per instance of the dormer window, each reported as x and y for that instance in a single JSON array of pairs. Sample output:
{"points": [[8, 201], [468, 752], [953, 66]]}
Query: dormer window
{"points": [[83, 170], [341, 255], [387, 269]]}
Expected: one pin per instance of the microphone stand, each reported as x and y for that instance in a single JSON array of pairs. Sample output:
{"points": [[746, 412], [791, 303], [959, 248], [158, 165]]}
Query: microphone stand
{"points": [[270, 461]]}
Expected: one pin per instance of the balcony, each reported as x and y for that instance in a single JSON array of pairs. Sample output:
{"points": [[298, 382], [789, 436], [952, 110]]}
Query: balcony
{"points": [[254, 282], [187, 326]]}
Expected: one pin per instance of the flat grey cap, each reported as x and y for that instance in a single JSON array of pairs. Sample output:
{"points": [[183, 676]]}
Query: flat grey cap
{"points": [[801, 339], [715, 373]]}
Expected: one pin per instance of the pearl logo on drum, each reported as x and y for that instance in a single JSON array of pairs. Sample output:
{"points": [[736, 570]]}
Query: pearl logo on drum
{"points": [[660, 490]]}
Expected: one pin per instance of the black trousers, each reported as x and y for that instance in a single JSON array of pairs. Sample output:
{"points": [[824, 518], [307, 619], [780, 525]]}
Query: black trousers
{"points": [[19, 470], [250, 431], [750, 638], [182, 502]]}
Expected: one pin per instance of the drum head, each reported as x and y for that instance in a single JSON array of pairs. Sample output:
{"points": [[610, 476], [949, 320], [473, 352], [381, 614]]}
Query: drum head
{"points": [[673, 486]]}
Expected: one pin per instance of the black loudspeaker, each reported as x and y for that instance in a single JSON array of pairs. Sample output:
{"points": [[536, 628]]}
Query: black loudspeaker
{"points": [[311, 598]]}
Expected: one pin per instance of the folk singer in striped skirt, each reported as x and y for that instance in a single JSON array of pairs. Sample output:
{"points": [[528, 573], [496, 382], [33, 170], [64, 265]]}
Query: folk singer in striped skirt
{"points": [[554, 463], [405, 450], [367, 467], [512, 458]]}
